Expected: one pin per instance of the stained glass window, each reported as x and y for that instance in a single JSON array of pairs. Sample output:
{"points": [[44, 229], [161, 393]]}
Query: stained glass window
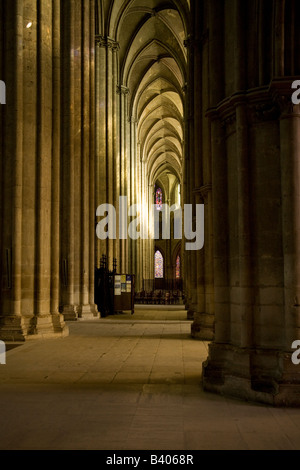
{"points": [[177, 268], [158, 199], [159, 265]]}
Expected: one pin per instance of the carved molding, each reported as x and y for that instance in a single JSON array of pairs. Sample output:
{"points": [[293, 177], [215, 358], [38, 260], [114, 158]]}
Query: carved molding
{"points": [[203, 191], [122, 90], [191, 42], [228, 121], [107, 42], [259, 103], [262, 112], [269, 103]]}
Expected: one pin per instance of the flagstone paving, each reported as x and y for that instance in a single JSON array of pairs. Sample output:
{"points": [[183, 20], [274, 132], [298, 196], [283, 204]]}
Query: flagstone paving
{"points": [[128, 382]]}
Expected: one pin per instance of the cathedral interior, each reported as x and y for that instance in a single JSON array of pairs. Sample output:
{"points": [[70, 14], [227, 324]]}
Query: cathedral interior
{"points": [[155, 104]]}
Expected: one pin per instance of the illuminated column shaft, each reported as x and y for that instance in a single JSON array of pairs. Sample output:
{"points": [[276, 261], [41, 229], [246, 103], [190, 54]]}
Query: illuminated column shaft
{"points": [[107, 150], [12, 325], [124, 171]]}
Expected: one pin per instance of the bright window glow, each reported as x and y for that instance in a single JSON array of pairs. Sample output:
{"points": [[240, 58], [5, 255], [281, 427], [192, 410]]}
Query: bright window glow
{"points": [[159, 265], [177, 268], [159, 199]]}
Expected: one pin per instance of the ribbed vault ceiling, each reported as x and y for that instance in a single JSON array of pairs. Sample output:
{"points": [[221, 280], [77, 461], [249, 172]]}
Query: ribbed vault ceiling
{"points": [[152, 60]]}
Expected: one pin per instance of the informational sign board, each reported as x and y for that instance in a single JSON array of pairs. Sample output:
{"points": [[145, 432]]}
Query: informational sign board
{"points": [[123, 292], [117, 285]]}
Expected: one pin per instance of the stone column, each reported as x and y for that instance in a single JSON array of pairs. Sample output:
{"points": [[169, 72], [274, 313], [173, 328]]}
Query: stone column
{"points": [[57, 318], [220, 229], [116, 150], [123, 92], [68, 162], [42, 320], [12, 326], [92, 151], [136, 199], [187, 254], [86, 277], [128, 180], [107, 153], [2, 191], [219, 173], [244, 298], [203, 324], [189, 183], [197, 329], [77, 229], [290, 196], [132, 176], [100, 183], [55, 175], [279, 43]]}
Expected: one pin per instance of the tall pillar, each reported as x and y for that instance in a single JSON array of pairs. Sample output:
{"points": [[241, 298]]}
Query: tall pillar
{"points": [[68, 163], [203, 324], [132, 188], [12, 325], [26, 305], [124, 171], [100, 183], [198, 329], [107, 145], [86, 308], [290, 197], [57, 318], [244, 298], [92, 148], [220, 230], [290, 151], [189, 182], [46, 189], [42, 320]]}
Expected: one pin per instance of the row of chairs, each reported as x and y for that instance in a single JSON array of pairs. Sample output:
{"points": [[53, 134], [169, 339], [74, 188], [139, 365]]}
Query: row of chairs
{"points": [[158, 297]]}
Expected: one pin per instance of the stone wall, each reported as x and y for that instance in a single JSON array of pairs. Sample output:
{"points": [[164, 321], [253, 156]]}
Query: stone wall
{"points": [[254, 143], [47, 152]]}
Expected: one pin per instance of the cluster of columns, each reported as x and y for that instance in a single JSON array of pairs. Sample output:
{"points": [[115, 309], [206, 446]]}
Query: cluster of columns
{"points": [[251, 146], [119, 170], [47, 175], [198, 266]]}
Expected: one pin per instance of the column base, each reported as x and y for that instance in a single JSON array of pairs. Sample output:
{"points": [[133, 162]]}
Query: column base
{"points": [[259, 375], [47, 326], [19, 329], [12, 328], [190, 314], [87, 312], [69, 312], [203, 327]]}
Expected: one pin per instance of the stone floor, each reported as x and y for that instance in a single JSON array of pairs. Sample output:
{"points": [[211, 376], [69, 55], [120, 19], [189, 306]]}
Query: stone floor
{"points": [[128, 382]]}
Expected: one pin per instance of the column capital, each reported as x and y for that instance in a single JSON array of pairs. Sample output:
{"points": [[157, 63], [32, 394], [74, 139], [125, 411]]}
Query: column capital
{"points": [[107, 42], [132, 120], [203, 191], [122, 90], [191, 41], [259, 104]]}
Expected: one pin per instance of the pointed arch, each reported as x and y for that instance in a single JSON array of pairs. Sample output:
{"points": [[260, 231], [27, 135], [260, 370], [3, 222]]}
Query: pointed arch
{"points": [[159, 265]]}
